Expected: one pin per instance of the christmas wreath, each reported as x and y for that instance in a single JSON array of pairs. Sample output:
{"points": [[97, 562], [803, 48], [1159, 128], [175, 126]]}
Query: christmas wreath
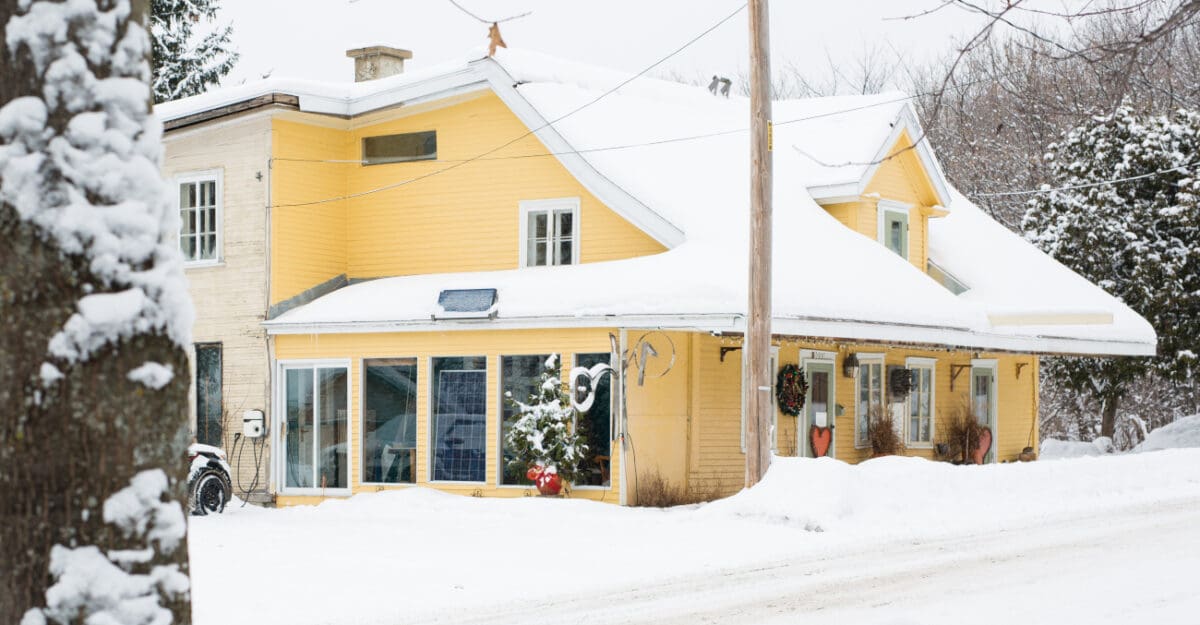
{"points": [[790, 388]]}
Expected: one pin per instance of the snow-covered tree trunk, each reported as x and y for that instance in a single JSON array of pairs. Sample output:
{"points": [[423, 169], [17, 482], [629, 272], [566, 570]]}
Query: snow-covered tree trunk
{"points": [[95, 317]]}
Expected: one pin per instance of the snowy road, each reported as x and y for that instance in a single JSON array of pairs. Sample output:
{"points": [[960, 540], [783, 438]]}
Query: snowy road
{"points": [[1136, 565]]}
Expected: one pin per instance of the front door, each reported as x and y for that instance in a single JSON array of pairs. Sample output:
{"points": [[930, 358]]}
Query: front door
{"points": [[983, 402], [314, 429], [819, 404]]}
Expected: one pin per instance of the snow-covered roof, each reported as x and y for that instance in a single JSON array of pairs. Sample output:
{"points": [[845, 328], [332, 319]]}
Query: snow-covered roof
{"points": [[692, 195]]}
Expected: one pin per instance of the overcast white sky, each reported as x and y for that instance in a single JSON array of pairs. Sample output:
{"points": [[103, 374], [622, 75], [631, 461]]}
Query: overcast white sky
{"points": [[308, 38]]}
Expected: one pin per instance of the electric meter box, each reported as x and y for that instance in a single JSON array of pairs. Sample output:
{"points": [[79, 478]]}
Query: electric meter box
{"points": [[252, 423]]}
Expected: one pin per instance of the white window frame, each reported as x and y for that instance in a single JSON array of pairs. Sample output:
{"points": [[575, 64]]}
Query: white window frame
{"points": [[194, 177], [774, 365], [863, 360], [914, 362], [280, 415], [892, 206], [549, 206], [362, 410]]}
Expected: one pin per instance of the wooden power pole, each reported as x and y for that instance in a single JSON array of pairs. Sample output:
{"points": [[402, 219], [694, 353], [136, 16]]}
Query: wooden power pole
{"points": [[757, 378]]}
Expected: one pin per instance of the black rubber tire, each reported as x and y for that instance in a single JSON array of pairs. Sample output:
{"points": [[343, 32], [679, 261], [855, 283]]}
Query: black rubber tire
{"points": [[210, 492]]}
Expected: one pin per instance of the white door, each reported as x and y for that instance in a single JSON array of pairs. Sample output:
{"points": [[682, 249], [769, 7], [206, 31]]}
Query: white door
{"points": [[983, 401], [312, 430], [819, 404]]}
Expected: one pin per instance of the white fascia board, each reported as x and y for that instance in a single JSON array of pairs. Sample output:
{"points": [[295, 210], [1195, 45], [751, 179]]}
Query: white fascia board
{"points": [[964, 338], [835, 329], [907, 120], [444, 85], [608, 192], [850, 191], [708, 322]]}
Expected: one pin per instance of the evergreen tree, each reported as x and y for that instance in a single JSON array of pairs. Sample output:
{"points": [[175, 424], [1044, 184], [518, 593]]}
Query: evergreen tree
{"points": [[542, 434], [1138, 239], [183, 65]]}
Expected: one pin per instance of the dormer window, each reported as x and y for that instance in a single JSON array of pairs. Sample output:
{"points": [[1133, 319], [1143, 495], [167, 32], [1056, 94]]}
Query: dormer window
{"points": [[893, 226], [550, 232]]}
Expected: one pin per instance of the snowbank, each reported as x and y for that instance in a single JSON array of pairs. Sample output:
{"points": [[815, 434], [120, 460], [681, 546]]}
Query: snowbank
{"points": [[1054, 449], [1183, 432], [914, 497]]}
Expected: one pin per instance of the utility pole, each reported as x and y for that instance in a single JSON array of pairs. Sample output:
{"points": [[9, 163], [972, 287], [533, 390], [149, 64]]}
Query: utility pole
{"points": [[757, 379]]}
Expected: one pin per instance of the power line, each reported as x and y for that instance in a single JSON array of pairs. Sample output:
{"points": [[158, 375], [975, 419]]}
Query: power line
{"points": [[486, 21], [1089, 184], [535, 130]]}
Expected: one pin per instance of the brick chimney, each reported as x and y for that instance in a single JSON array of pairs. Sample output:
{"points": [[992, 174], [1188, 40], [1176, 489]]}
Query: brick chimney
{"points": [[377, 62]]}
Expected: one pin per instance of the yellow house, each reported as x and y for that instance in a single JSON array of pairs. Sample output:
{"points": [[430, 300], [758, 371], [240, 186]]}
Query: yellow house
{"points": [[432, 237]]}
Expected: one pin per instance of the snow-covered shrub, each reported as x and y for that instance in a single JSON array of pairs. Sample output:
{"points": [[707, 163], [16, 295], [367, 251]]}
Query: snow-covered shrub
{"points": [[543, 433]]}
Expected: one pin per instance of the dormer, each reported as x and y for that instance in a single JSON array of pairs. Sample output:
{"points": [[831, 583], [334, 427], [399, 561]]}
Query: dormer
{"points": [[891, 197]]}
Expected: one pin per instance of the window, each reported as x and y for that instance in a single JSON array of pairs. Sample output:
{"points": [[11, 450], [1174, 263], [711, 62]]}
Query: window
{"points": [[869, 393], [920, 402], [390, 421], [315, 427], [519, 378], [410, 146], [595, 426], [548, 232], [893, 226], [200, 217], [459, 419], [208, 394]]}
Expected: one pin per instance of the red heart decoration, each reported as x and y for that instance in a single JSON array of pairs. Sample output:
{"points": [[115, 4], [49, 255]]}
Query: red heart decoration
{"points": [[821, 438], [985, 444]]}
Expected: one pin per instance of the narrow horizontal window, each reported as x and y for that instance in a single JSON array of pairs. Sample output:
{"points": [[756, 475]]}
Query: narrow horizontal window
{"points": [[409, 146]]}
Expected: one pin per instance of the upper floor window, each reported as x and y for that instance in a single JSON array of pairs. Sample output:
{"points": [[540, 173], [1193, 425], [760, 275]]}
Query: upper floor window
{"points": [[893, 226], [200, 216], [549, 232], [409, 146]]}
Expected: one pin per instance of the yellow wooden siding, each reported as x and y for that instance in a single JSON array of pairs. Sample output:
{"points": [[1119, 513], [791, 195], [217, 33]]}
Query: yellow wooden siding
{"points": [[717, 422], [659, 409], [308, 243], [903, 178], [466, 219], [424, 346]]}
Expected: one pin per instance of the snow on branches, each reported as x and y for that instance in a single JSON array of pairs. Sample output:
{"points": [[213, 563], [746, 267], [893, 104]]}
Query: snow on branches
{"points": [[184, 65], [82, 162], [543, 432], [1138, 238], [120, 586]]}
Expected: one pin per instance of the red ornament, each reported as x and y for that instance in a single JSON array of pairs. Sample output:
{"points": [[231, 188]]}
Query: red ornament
{"points": [[533, 473], [549, 484]]}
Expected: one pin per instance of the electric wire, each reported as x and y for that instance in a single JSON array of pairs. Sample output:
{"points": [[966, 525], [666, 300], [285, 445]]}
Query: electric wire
{"points": [[1089, 185], [581, 107]]}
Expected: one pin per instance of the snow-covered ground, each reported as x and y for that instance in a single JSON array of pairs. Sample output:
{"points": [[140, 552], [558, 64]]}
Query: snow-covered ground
{"points": [[1111, 539], [1181, 433]]}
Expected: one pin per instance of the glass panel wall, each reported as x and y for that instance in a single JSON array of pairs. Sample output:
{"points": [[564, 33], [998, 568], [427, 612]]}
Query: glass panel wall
{"points": [[460, 419], [519, 375], [390, 421], [594, 426]]}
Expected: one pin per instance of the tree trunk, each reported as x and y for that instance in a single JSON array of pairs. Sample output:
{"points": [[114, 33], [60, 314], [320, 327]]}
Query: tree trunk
{"points": [[1108, 419], [67, 446]]}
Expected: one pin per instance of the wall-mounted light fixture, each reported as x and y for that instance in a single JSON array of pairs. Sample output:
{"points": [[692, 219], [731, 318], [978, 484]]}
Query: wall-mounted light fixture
{"points": [[850, 366]]}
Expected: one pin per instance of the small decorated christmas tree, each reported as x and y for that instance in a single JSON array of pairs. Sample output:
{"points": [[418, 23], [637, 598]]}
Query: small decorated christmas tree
{"points": [[542, 439]]}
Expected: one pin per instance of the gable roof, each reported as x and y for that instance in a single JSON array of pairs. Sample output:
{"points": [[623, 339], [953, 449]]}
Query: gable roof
{"points": [[672, 159]]}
